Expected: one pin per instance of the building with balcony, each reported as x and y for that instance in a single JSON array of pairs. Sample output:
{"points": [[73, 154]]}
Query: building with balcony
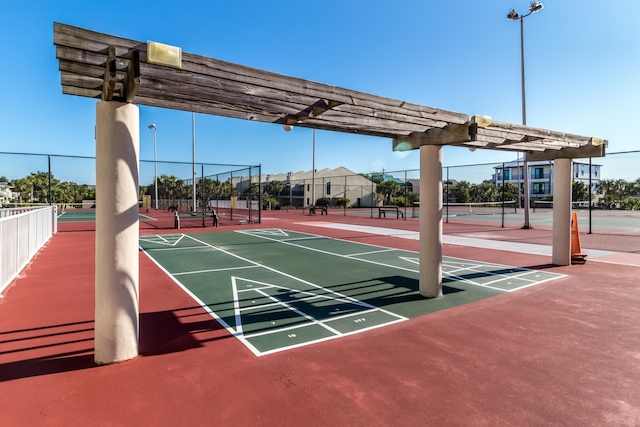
{"points": [[541, 176], [6, 195]]}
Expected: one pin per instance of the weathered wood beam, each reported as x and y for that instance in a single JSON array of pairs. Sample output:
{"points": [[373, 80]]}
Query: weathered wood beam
{"points": [[73, 37], [176, 80], [451, 134], [109, 82], [595, 148], [92, 65], [131, 81], [537, 132], [184, 104]]}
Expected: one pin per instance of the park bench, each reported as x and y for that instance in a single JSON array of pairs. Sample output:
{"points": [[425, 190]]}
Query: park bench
{"points": [[382, 211], [322, 209], [195, 215]]}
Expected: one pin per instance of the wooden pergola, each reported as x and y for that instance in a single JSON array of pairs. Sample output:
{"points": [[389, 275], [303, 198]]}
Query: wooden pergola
{"points": [[119, 73]]}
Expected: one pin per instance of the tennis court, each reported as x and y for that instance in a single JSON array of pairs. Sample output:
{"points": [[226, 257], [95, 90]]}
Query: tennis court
{"points": [[85, 214], [276, 289]]}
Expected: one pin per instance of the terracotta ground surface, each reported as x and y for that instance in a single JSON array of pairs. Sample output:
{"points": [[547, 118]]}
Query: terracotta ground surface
{"points": [[565, 352]]}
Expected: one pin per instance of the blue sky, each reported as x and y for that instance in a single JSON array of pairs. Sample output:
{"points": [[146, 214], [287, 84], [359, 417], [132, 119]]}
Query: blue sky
{"points": [[582, 71]]}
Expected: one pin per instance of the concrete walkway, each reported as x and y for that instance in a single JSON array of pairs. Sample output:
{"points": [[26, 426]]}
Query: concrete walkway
{"points": [[520, 247]]}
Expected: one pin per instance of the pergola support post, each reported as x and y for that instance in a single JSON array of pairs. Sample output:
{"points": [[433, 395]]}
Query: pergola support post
{"points": [[431, 221], [116, 264], [561, 252]]}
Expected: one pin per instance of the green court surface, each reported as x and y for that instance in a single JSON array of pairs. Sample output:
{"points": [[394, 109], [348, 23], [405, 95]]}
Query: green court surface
{"points": [[276, 289], [86, 215]]}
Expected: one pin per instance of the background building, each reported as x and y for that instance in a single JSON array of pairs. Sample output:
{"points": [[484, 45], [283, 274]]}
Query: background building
{"points": [[541, 176]]}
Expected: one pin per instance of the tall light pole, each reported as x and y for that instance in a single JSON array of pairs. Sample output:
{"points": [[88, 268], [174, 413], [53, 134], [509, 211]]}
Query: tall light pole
{"points": [[193, 157], [514, 16], [155, 164], [313, 171], [287, 128]]}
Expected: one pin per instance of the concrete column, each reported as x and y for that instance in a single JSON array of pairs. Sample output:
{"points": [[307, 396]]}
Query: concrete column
{"points": [[431, 221], [561, 253], [116, 282]]}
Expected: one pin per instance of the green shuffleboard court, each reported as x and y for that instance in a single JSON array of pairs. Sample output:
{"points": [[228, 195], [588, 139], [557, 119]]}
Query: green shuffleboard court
{"points": [[275, 289], [87, 215]]}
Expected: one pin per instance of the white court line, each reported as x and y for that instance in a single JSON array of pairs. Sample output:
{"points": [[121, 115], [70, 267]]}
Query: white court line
{"points": [[357, 331], [269, 286], [338, 255], [213, 270], [240, 335], [206, 308], [528, 248], [471, 282], [371, 252], [288, 328], [310, 318], [161, 240], [534, 284], [176, 249], [299, 238], [278, 271]]}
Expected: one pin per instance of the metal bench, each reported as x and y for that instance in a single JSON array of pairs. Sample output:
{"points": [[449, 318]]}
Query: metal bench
{"points": [[382, 211], [196, 215], [322, 209]]}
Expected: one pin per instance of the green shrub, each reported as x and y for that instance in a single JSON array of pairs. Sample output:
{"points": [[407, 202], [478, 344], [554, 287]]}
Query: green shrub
{"points": [[342, 202], [324, 201]]}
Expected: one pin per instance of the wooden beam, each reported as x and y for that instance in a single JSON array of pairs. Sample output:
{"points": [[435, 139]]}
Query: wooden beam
{"points": [[537, 132], [590, 150], [132, 78], [81, 39], [109, 82], [216, 87]]}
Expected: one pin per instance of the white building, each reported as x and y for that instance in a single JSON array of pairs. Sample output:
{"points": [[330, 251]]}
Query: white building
{"points": [[541, 175], [6, 195]]}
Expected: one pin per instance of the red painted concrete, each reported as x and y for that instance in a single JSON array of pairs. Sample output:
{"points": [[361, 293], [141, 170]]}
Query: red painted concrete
{"points": [[566, 352]]}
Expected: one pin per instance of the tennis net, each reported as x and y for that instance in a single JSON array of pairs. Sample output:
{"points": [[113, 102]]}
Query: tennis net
{"points": [[542, 205], [480, 208]]}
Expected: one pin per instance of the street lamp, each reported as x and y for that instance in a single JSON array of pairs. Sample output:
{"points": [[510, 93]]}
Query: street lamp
{"points": [[193, 158], [155, 163], [313, 171], [287, 128], [514, 16]]}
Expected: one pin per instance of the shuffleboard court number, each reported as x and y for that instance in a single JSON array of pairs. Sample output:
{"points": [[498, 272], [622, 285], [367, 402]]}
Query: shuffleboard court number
{"points": [[362, 319], [291, 335]]}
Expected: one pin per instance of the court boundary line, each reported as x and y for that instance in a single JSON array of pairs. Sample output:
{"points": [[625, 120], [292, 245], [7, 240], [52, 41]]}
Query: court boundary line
{"points": [[238, 333], [353, 257]]}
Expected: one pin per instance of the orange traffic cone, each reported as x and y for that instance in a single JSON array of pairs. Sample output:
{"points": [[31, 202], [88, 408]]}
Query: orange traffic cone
{"points": [[577, 257]]}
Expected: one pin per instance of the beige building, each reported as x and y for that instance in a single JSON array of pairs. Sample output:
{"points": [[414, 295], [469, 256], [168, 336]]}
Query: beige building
{"points": [[332, 184], [328, 183]]}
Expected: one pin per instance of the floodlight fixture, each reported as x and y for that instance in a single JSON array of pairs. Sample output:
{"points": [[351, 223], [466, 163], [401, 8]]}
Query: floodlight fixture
{"points": [[164, 54], [152, 126], [515, 16], [533, 8]]}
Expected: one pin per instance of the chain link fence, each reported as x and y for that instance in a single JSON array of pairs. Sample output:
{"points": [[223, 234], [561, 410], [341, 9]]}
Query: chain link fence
{"points": [[606, 191], [46, 179]]}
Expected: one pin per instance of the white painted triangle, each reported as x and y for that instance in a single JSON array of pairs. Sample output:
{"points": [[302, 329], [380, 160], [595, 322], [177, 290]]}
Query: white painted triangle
{"points": [[268, 232], [167, 239], [410, 259], [261, 285]]}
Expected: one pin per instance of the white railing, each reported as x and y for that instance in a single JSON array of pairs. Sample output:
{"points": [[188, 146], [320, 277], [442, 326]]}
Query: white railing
{"points": [[23, 231]]}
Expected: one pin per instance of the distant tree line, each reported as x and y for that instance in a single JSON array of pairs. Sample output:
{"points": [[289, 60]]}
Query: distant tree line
{"points": [[39, 187]]}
